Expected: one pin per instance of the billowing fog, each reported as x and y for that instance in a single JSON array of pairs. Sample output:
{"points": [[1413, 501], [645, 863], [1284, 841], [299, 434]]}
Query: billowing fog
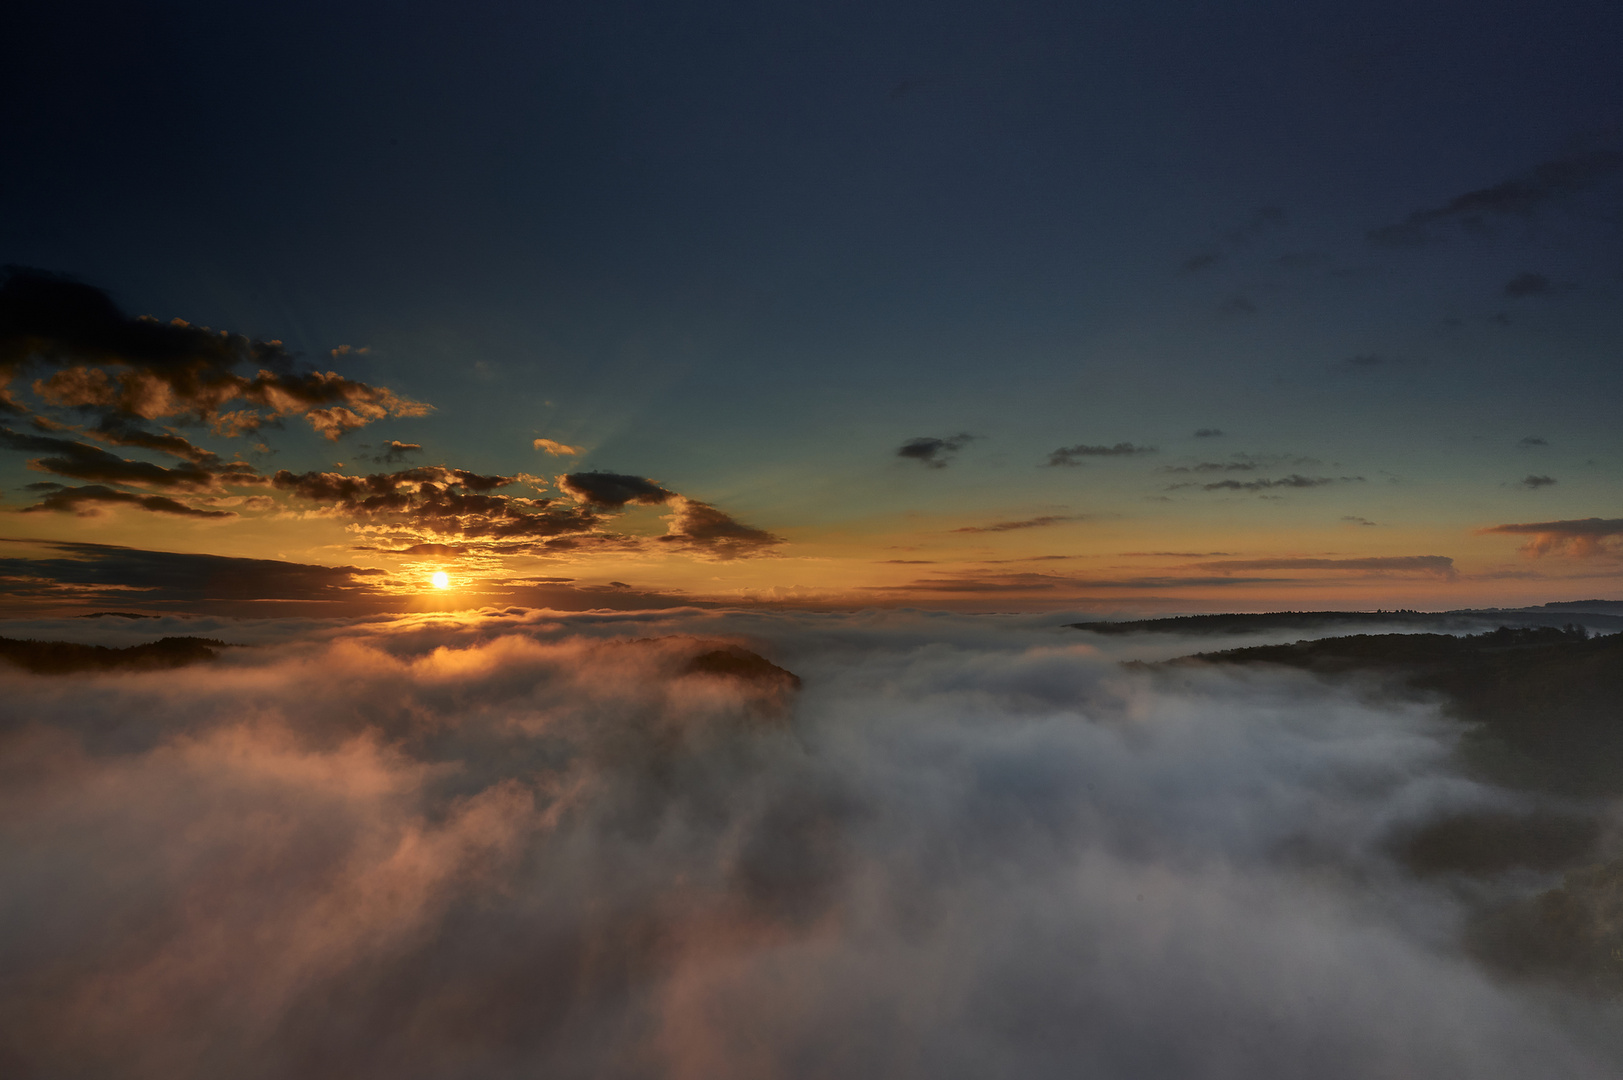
{"points": [[526, 845]]}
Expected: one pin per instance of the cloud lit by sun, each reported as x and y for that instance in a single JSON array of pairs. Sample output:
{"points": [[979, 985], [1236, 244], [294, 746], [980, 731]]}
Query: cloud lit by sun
{"points": [[440, 579]]}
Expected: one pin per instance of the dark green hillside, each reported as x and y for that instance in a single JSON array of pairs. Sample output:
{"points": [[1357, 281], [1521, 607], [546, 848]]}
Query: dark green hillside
{"points": [[67, 657], [1549, 701]]}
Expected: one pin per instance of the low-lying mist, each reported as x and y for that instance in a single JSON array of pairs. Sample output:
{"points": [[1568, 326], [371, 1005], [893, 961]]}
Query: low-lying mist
{"points": [[532, 845]]}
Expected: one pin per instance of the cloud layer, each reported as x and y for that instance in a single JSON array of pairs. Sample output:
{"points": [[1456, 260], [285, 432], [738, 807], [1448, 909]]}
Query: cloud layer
{"points": [[522, 845]]}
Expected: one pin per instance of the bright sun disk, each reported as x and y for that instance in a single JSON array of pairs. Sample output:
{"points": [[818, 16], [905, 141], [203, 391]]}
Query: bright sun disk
{"points": [[441, 579]]}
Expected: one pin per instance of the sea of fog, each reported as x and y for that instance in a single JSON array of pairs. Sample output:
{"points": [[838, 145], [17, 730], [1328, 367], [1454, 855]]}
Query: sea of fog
{"points": [[539, 845]]}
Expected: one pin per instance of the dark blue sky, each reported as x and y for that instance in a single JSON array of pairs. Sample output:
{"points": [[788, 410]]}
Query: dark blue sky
{"points": [[748, 249]]}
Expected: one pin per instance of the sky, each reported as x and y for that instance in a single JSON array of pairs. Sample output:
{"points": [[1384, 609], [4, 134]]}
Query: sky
{"points": [[989, 307]]}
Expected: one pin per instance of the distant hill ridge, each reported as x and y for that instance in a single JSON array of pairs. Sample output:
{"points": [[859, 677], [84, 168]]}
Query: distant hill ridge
{"points": [[1594, 614]]}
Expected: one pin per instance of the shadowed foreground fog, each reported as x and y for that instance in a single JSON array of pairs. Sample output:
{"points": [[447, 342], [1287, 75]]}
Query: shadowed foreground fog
{"points": [[618, 847]]}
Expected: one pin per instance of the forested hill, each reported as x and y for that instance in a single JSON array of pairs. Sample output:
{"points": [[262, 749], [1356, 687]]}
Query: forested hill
{"points": [[1549, 700], [1465, 621]]}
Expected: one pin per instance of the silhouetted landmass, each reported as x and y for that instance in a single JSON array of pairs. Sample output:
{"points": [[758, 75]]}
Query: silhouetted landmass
{"points": [[1571, 934], [117, 615], [1593, 611], [742, 664], [1487, 842], [1548, 701], [1546, 706], [67, 657]]}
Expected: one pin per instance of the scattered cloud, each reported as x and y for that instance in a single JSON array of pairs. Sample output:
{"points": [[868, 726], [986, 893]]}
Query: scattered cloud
{"points": [[1526, 285], [1532, 441], [934, 453], [1580, 538], [613, 491], [1236, 306], [1353, 519], [558, 449], [1517, 197], [1068, 455], [1211, 467], [107, 364], [1439, 566], [394, 452], [1209, 433], [88, 501], [1011, 526], [1536, 482], [1295, 480]]}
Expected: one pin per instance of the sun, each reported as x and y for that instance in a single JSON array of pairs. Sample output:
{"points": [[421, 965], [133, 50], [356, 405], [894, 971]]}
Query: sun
{"points": [[441, 579]]}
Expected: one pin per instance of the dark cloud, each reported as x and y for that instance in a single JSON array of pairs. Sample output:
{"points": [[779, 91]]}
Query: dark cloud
{"points": [[111, 365], [1366, 360], [88, 501], [1211, 467], [1295, 480], [702, 528], [80, 461], [1011, 526], [1068, 455], [1526, 285], [1532, 441], [394, 451], [1209, 433], [934, 453], [104, 573], [1352, 519], [1440, 566], [612, 491], [1536, 482], [1265, 220], [434, 503], [1580, 538], [1517, 197], [1237, 305], [1016, 584]]}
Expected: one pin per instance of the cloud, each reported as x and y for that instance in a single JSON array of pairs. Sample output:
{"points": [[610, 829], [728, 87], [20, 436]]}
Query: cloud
{"points": [[1211, 467], [934, 453], [1295, 480], [1067, 455], [435, 503], [529, 845], [1517, 197], [80, 461], [1209, 433], [1010, 526], [1237, 306], [87, 501], [1526, 285], [1532, 441], [1440, 566], [1536, 482], [395, 451], [612, 491], [558, 449], [1581, 538], [112, 366], [701, 527], [106, 574], [1353, 519]]}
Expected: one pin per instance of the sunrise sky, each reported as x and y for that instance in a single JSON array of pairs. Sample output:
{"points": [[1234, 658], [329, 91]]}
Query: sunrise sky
{"points": [[1013, 306]]}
